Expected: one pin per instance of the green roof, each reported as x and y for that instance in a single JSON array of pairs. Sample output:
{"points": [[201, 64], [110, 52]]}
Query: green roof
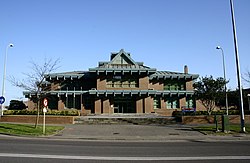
{"points": [[171, 75], [122, 62], [73, 74]]}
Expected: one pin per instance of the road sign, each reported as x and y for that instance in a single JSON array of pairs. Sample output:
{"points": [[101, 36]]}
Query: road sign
{"points": [[2, 99], [45, 102], [45, 110]]}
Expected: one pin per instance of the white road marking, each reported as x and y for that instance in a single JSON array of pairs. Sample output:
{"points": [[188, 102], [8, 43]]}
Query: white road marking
{"points": [[124, 158]]}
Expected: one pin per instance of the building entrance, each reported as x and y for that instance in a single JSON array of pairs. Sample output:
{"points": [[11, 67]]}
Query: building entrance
{"points": [[124, 106]]}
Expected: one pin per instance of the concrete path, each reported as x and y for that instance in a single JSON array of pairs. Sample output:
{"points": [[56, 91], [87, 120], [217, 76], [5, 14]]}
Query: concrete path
{"points": [[140, 133]]}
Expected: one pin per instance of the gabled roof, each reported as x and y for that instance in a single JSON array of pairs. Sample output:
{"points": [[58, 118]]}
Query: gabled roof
{"points": [[122, 62], [122, 58]]}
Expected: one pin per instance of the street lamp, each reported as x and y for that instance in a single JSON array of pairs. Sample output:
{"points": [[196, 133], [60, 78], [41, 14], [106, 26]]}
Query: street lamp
{"points": [[248, 96], [224, 70], [242, 118], [4, 75]]}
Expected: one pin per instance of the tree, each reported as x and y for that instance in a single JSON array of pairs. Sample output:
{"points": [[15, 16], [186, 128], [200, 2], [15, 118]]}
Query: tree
{"points": [[209, 91], [34, 82], [246, 77]]}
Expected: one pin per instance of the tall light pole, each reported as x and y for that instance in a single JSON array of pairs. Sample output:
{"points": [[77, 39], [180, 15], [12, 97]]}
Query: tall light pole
{"points": [[242, 120], [224, 71], [248, 97], [4, 74]]}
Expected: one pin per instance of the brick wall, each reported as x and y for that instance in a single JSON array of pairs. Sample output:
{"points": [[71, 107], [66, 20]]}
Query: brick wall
{"points": [[189, 86], [101, 83], [32, 119], [139, 105], [156, 85], [144, 83]]}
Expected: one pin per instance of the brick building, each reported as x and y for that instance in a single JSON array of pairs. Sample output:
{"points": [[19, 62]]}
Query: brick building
{"points": [[120, 86]]}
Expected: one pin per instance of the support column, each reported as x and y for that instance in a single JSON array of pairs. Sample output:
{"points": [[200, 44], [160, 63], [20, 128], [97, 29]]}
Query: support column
{"points": [[139, 105], [98, 106], [83, 110], [149, 105], [106, 106], [183, 102], [61, 105], [163, 104]]}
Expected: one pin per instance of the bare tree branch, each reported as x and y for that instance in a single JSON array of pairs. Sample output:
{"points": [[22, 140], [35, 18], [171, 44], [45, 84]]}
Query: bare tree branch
{"points": [[246, 77], [35, 79]]}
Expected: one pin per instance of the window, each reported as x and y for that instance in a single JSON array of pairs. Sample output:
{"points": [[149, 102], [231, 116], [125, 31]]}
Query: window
{"points": [[174, 85], [189, 102], [157, 103], [172, 103], [122, 82]]}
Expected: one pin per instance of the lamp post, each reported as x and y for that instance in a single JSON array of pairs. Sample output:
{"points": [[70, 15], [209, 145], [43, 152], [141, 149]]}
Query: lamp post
{"points": [[224, 71], [242, 120], [4, 74], [248, 96]]}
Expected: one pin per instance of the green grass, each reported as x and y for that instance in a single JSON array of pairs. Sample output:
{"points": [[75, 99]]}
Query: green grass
{"points": [[27, 129], [233, 129]]}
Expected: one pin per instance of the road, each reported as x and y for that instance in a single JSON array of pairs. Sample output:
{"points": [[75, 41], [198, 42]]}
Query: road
{"points": [[48, 150]]}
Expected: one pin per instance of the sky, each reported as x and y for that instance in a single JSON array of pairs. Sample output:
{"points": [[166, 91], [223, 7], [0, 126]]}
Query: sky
{"points": [[164, 34]]}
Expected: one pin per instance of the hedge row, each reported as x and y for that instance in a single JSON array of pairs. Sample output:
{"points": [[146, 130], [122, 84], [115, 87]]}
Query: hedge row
{"points": [[219, 112], [68, 112]]}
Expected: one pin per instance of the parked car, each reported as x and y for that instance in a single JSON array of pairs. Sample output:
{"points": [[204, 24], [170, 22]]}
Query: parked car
{"points": [[16, 105]]}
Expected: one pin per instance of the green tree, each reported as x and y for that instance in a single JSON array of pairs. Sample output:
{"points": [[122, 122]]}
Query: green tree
{"points": [[209, 91]]}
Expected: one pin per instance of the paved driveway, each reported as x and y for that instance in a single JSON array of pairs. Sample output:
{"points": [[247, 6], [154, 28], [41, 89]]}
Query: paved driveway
{"points": [[128, 132]]}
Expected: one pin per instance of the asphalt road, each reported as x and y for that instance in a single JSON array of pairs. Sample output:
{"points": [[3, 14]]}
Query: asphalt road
{"points": [[47, 150]]}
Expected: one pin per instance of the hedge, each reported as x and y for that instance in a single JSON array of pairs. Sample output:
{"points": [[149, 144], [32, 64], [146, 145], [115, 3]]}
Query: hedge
{"points": [[219, 112], [67, 112]]}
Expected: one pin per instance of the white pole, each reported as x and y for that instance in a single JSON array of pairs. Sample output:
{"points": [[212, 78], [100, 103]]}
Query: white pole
{"points": [[243, 129], [224, 71], [4, 75], [44, 111], [248, 101]]}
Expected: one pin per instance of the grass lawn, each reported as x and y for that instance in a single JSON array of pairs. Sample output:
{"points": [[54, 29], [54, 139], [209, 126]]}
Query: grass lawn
{"points": [[233, 129], [27, 129]]}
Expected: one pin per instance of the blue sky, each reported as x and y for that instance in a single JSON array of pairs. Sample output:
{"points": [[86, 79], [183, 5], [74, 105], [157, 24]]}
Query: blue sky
{"points": [[164, 34]]}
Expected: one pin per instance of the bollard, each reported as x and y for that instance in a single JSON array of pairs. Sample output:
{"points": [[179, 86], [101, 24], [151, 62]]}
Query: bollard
{"points": [[216, 122], [225, 123]]}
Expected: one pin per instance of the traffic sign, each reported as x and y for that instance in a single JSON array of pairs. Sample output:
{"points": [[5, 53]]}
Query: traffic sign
{"points": [[45, 102], [45, 110], [2, 99]]}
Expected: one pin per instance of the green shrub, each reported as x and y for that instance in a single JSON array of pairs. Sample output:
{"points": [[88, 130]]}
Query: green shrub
{"points": [[219, 112], [69, 112]]}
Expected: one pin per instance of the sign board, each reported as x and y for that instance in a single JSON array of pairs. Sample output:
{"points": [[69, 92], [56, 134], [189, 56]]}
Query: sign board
{"points": [[45, 102], [45, 110], [2, 99]]}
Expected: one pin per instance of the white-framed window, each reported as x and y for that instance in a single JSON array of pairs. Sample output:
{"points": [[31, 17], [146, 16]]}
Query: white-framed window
{"points": [[172, 103], [121, 82], [157, 103], [189, 102]]}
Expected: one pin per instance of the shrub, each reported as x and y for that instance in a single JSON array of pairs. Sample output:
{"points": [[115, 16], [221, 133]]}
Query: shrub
{"points": [[219, 112], [69, 112]]}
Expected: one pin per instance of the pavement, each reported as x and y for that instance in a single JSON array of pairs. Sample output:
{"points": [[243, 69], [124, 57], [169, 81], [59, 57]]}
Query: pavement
{"points": [[129, 132]]}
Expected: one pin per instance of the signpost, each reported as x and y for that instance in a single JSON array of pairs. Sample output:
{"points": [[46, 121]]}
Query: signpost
{"points": [[2, 100], [45, 104]]}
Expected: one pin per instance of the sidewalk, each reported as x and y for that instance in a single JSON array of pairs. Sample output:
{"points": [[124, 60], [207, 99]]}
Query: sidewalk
{"points": [[141, 133]]}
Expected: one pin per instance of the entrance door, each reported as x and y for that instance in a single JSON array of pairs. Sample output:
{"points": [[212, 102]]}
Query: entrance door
{"points": [[124, 106]]}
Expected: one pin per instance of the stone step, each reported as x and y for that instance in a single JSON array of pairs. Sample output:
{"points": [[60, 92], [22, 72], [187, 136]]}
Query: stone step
{"points": [[126, 120]]}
